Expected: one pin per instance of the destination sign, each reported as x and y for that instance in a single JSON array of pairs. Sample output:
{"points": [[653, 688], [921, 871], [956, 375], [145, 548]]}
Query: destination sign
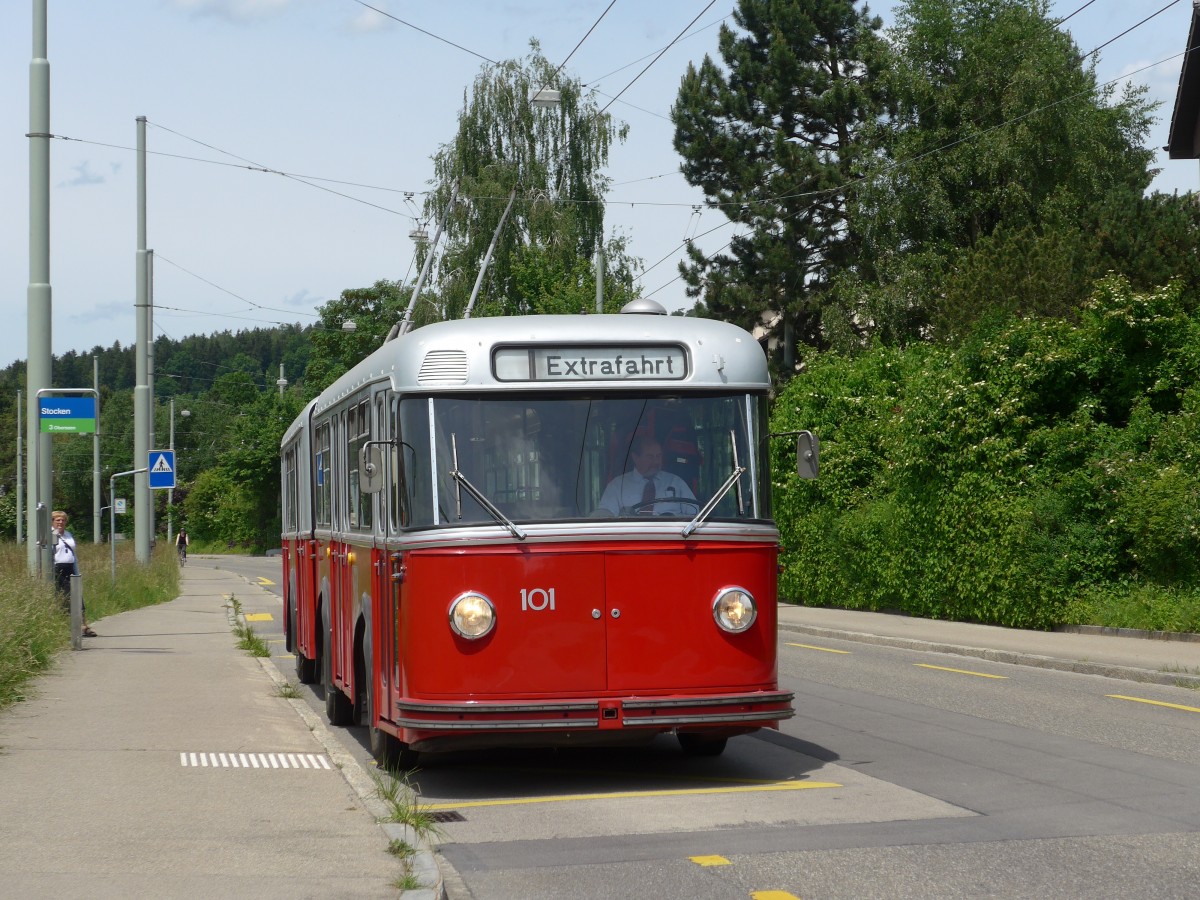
{"points": [[590, 363], [67, 415]]}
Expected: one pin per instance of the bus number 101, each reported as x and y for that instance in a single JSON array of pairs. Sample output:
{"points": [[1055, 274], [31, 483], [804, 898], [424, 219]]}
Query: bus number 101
{"points": [[537, 599]]}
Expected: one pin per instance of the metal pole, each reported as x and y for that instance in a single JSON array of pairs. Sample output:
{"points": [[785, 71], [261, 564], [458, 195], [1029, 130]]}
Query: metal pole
{"points": [[403, 325], [599, 280], [112, 514], [141, 392], [38, 373], [20, 476], [76, 612], [171, 491], [152, 411], [487, 257], [96, 498]]}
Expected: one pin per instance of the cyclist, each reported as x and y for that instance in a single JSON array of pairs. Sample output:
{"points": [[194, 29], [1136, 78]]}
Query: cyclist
{"points": [[181, 544]]}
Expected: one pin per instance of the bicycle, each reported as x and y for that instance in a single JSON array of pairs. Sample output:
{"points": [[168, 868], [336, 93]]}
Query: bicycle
{"points": [[182, 551]]}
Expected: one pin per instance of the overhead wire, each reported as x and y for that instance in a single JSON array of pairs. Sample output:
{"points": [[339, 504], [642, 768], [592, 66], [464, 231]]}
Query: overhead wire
{"points": [[436, 37], [306, 179], [263, 168], [1131, 28]]}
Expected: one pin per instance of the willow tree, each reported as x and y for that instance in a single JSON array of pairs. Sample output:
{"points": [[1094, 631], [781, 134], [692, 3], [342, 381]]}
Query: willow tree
{"points": [[550, 161]]}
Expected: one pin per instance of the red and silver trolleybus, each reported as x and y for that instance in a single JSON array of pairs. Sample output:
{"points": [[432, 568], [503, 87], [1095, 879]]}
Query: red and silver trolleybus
{"points": [[540, 530]]}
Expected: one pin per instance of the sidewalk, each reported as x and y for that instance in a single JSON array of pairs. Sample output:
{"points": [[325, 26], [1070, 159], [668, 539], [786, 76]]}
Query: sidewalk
{"points": [[112, 786], [1115, 656]]}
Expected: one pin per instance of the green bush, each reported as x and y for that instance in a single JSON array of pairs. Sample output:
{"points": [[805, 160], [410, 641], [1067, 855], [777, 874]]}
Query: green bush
{"points": [[1040, 464]]}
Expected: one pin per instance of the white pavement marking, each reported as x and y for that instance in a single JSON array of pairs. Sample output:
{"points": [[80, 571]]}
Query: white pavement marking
{"points": [[312, 761]]}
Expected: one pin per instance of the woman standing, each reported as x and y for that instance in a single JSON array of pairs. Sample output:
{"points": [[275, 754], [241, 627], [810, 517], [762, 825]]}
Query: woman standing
{"points": [[66, 563]]}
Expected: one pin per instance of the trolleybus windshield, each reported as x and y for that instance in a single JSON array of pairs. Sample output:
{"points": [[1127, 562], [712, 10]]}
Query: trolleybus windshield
{"points": [[540, 458]]}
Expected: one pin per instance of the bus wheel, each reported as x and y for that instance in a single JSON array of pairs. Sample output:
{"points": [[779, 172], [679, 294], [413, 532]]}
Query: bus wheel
{"points": [[390, 752], [306, 669], [338, 708], [698, 745]]}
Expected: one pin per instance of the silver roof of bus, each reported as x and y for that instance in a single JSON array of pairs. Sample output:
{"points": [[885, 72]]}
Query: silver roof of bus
{"points": [[457, 355]]}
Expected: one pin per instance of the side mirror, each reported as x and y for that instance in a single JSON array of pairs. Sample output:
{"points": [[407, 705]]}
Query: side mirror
{"points": [[44, 534], [808, 455], [370, 470]]}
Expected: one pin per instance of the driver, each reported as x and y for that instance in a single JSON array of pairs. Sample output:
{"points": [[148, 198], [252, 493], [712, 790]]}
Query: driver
{"points": [[645, 483]]}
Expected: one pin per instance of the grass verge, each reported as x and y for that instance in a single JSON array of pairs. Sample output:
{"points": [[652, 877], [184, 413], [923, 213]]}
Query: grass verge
{"points": [[394, 788], [247, 639], [34, 626]]}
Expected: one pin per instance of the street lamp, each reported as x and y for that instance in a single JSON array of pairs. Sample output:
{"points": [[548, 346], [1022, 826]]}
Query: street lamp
{"points": [[171, 491]]}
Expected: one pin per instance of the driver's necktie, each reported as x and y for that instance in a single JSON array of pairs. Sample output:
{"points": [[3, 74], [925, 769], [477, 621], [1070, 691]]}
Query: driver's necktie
{"points": [[648, 493]]}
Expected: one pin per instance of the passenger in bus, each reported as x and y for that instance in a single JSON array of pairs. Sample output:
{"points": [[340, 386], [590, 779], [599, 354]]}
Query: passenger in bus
{"points": [[635, 491]]}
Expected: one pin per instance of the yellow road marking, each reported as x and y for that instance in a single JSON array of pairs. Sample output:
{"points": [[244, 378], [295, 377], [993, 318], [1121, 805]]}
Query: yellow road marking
{"points": [[709, 860], [633, 795], [265, 581], [608, 773], [960, 671], [259, 617], [1155, 703], [824, 649], [772, 895]]}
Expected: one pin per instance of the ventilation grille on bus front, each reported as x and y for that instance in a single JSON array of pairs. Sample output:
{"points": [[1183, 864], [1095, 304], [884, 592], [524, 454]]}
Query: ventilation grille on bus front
{"points": [[444, 367]]}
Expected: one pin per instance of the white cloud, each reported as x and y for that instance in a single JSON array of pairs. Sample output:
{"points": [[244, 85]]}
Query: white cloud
{"points": [[234, 10], [84, 176], [105, 312], [368, 20], [303, 298]]}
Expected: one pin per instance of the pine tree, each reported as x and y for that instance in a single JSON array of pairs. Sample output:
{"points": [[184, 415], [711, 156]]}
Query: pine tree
{"points": [[773, 137]]}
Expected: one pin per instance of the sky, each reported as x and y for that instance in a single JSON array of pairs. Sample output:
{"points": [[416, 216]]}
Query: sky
{"points": [[331, 90]]}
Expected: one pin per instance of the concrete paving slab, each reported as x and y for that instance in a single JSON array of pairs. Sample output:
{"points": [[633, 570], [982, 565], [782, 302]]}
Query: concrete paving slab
{"points": [[98, 801]]}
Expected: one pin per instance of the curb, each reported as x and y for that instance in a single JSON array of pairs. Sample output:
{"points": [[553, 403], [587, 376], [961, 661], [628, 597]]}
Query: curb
{"points": [[1126, 673], [1185, 636], [423, 865]]}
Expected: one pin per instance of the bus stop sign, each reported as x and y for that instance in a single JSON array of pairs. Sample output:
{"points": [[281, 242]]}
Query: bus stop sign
{"points": [[161, 464]]}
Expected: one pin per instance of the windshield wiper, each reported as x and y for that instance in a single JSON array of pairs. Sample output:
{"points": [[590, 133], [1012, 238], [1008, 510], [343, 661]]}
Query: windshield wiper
{"points": [[734, 475], [461, 479]]}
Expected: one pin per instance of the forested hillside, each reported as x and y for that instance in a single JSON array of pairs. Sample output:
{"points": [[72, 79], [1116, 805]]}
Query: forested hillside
{"points": [[226, 442]]}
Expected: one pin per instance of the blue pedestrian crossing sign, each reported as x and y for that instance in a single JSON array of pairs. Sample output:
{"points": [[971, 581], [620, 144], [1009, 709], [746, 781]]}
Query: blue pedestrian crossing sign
{"points": [[161, 464]]}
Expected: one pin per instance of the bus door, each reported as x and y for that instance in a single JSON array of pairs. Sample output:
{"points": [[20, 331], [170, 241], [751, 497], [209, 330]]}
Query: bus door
{"points": [[306, 586], [385, 598], [661, 630]]}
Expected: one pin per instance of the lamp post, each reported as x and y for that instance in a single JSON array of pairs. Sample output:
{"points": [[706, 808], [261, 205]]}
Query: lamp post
{"points": [[171, 491]]}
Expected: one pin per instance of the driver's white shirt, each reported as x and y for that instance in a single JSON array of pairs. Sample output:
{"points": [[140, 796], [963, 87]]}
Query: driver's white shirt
{"points": [[625, 491]]}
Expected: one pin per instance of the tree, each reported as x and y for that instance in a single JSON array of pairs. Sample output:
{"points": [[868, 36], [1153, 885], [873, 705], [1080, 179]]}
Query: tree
{"points": [[773, 138], [1000, 143], [373, 311], [549, 161]]}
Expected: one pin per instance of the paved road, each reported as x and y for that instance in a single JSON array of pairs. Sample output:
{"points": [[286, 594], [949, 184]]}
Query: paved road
{"points": [[906, 773]]}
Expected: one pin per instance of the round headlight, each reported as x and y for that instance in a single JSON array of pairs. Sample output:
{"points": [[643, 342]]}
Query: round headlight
{"points": [[734, 609], [472, 615]]}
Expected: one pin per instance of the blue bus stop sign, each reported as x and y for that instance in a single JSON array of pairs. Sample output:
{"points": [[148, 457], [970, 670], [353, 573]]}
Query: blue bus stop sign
{"points": [[161, 464]]}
